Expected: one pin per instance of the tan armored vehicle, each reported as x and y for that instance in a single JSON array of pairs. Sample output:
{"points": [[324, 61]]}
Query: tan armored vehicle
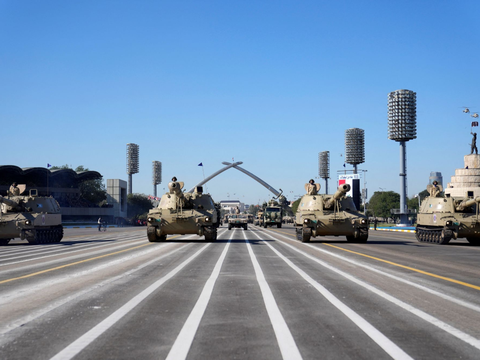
{"points": [[442, 218], [34, 218], [273, 214], [322, 215], [183, 213], [237, 221], [258, 219]]}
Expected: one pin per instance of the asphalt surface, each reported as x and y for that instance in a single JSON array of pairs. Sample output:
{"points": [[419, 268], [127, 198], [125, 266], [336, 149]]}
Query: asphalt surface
{"points": [[255, 294]]}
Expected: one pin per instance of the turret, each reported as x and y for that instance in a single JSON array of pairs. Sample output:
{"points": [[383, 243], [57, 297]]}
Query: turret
{"points": [[341, 191], [8, 201], [176, 188], [466, 203]]}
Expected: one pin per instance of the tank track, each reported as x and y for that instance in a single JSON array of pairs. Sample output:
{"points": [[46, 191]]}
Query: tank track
{"points": [[45, 236], [437, 236]]}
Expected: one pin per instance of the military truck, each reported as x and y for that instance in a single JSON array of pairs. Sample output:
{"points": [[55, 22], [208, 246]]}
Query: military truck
{"points": [[273, 214], [442, 218], [183, 213], [34, 218], [237, 221], [336, 215]]}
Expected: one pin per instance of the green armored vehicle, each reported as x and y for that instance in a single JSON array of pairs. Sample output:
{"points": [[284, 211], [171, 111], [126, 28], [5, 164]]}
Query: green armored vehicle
{"points": [[34, 218], [183, 213], [442, 218], [273, 214], [323, 215], [237, 221]]}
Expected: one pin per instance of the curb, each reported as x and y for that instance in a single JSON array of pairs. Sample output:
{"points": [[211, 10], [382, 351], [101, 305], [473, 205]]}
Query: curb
{"points": [[389, 229]]}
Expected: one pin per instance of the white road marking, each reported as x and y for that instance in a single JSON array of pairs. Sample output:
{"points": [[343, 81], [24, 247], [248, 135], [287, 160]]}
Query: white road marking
{"points": [[82, 342], [391, 276], [184, 340], [285, 340], [421, 314], [385, 343]]}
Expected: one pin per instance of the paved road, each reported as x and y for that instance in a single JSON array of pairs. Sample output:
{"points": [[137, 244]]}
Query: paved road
{"points": [[255, 294]]}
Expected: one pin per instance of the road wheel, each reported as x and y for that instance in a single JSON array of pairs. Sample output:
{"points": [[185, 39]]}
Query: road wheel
{"points": [[306, 234], [279, 225], [152, 235]]}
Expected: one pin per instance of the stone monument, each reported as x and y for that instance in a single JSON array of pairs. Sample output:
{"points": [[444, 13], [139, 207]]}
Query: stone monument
{"points": [[466, 181]]}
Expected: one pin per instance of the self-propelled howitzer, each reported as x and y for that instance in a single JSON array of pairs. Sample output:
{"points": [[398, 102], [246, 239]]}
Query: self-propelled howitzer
{"points": [[322, 215], [443, 218], [179, 213], [34, 218]]}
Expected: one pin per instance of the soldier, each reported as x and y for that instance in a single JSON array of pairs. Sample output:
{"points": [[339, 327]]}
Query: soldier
{"points": [[311, 187], [474, 144], [174, 179], [14, 190]]}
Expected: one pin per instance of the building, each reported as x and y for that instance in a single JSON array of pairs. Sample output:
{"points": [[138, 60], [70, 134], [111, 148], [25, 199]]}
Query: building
{"points": [[230, 206]]}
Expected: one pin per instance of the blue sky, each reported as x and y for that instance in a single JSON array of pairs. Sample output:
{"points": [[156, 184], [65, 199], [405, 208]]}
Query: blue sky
{"points": [[269, 83]]}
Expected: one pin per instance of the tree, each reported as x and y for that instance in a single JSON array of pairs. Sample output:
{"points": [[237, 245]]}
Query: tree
{"points": [[138, 206], [382, 201], [295, 205]]}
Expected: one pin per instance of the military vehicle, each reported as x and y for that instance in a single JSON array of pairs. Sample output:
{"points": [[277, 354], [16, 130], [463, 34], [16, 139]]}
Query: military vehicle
{"points": [[250, 218], [34, 218], [258, 219], [322, 215], [273, 214], [442, 218], [183, 213], [237, 221]]}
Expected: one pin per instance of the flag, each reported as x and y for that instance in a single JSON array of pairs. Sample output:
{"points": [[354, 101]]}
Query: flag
{"points": [[48, 165], [200, 164], [343, 165]]}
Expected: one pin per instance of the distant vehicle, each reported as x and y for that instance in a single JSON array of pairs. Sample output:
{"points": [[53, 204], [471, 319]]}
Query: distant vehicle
{"points": [[442, 218], [237, 221], [258, 219], [179, 213], [273, 214], [34, 218], [322, 215]]}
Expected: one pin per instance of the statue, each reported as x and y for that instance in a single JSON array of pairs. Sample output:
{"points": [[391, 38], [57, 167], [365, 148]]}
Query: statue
{"points": [[474, 144]]}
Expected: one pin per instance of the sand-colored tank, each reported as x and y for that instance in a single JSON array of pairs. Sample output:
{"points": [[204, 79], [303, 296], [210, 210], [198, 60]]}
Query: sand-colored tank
{"points": [[442, 218], [183, 213], [323, 215], [34, 218]]}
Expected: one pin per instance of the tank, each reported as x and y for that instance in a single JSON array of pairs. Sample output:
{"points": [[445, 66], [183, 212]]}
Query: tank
{"points": [[442, 218], [183, 213], [322, 215], [34, 218], [272, 214]]}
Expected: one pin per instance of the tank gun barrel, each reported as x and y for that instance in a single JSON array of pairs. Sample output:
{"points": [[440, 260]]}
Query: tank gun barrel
{"points": [[7, 201], [175, 188], [341, 191], [467, 203]]}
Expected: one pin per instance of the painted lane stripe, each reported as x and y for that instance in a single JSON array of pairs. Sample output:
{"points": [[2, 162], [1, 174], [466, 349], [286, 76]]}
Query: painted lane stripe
{"points": [[82, 342], [396, 264], [409, 268], [184, 340], [419, 313], [381, 340], [285, 340]]}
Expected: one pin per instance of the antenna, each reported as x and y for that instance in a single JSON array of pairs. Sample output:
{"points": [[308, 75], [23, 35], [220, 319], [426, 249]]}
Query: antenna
{"points": [[132, 163], [402, 127], [324, 167], [156, 175]]}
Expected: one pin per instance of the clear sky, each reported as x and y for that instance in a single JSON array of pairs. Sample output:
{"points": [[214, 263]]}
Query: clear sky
{"points": [[269, 83]]}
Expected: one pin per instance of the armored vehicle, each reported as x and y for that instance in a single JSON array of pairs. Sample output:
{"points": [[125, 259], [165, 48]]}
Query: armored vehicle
{"points": [[258, 219], [237, 221], [442, 218], [273, 214], [322, 215], [34, 218], [183, 213]]}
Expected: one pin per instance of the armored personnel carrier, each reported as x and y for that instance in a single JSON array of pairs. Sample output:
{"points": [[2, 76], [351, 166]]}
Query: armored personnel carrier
{"points": [[34, 218], [237, 221], [273, 214], [322, 215], [442, 218], [183, 213]]}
